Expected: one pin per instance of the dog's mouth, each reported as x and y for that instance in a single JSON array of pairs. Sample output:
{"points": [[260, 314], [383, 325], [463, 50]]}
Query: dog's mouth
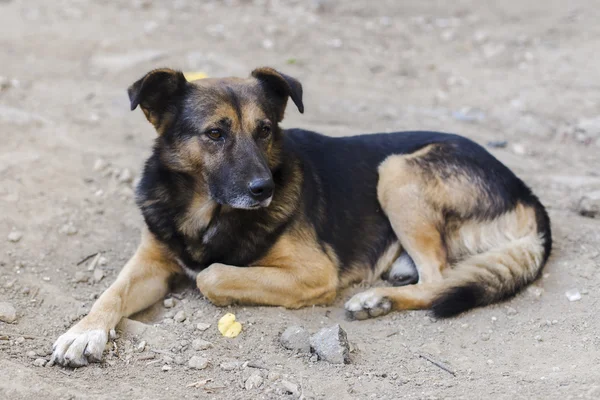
{"points": [[261, 204]]}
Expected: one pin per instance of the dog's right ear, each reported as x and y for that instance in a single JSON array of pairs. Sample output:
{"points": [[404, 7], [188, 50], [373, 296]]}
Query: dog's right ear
{"points": [[158, 94]]}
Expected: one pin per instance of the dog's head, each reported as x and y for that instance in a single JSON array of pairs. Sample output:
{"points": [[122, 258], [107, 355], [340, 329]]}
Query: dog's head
{"points": [[223, 132]]}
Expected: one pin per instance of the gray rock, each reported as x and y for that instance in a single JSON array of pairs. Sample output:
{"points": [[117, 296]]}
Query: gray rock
{"points": [[14, 236], [7, 313], [31, 354], [331, 345], [81, 276], [296, 338], [230, 365], [199, 344], [201, 326], [169, 303], [254, 381], [197, 362], [589, 205], [98, 275], [290, 387], [39, 362], [125, 176], [68, 229], [180, 316]]}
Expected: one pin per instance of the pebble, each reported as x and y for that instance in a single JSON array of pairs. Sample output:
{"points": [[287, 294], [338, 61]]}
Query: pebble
{"points": [[68, 229], [14, 236], [201, 326], [31, 354], [296, 338], [20, 340], [485, 336], [589, 205], [497, 144], [197, 362], [180, 316], [254, 381], [519, 149], [199, 344], [290, 387], [511, 311], [100, 164], [98, 275], [179, 360], [169, 303], [39, 362], [81, 276], [166, 368], [8, 313], [141, 346], [331, 345], [125, 176], [102, 261], [573, 295], [230, 365], [538, 338]]}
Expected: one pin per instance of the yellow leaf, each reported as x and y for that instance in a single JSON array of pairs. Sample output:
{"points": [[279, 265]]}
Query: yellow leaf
{"points": [[228, 326], [194, 75]]}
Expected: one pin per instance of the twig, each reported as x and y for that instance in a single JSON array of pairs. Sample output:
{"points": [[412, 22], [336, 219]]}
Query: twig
{"points": [[64, 372], [87, 258], [163, 352], [19, 335], [199, 383], [438, 364], [152, 362]]}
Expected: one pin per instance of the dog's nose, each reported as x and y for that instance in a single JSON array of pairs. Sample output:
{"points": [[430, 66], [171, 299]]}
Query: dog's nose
{"points": [[261, 189]]}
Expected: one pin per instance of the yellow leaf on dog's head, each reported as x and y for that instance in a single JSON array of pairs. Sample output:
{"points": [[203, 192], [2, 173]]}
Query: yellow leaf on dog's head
{"points": [[194, 76], [228, 326]]}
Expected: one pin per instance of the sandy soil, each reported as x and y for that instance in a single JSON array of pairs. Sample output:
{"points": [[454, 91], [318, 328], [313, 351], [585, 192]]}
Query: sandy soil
{"points": [[518, 71]]}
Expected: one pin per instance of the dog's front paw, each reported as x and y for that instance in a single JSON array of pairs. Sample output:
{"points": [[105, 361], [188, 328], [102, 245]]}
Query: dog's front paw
{"points": [[368, 304], [77, 348], [211, 281]]}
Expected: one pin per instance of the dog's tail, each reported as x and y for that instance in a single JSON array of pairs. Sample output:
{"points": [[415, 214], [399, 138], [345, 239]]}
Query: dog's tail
{"points": [[499, 258]]}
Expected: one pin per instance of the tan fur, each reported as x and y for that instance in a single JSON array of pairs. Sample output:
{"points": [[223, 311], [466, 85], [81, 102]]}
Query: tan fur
{"points": [[142, 282], [295, 273], [368, 273]]}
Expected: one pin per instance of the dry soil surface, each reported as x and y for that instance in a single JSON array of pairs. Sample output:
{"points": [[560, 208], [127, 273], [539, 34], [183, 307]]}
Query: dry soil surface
{"points": [[518, 71]]}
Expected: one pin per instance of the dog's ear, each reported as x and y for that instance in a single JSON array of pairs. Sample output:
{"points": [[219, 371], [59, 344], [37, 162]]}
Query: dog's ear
{"points": [[158, 94], [280, 87]]}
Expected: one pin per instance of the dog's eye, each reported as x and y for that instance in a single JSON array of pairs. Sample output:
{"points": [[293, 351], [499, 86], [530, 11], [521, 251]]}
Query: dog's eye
{"points": [[265, 131], [214, 134]]}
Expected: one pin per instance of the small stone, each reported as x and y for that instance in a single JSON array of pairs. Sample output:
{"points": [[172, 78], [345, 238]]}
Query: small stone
{"points": [[167, 359], [573, 295], [100, 164], [20, 340], [180, 316], [141, 346], [169, 303], [497, 144], [31, 354], [166, 368], [14, 236], [254, 381], [68, 229], [274, 376], [98, 275], [125, 176], [538, 338], [511, 311], [102, 261], [197, 362], [268, 44], [200, 344], [296, 338], [519, 149], [589, 205], [39, 362], [46, 279], [485, 336], [8, 313], [290, 387], [230, 365], [201, 326], [331, 345], [179, 360], [81, 277]]}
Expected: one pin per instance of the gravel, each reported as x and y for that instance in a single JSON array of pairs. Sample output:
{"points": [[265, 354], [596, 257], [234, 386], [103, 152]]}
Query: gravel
{"points": [[7, 313], [199, 344], [197, 362], [14, 236]]}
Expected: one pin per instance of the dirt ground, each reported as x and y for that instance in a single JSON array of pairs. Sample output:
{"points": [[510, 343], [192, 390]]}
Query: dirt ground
{"points": [[523, 72]]}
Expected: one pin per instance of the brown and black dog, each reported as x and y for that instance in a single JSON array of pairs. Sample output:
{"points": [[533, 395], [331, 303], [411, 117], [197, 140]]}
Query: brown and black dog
{"points": [[258, 215]]}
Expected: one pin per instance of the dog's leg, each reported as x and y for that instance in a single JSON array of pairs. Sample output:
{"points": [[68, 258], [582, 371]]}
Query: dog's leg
{"points": [[401, 193], [295, 273], [142, 282]]}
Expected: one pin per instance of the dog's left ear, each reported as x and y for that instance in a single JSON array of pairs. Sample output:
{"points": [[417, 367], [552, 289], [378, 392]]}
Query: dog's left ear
{"points": [[158, 94], [280, 86]]}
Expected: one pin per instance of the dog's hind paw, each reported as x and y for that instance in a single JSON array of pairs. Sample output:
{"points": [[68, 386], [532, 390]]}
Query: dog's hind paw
{"points": [[368, 304], [77, 349]]}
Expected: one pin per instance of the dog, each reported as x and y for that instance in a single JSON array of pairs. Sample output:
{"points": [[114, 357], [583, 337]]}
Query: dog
{"points": [[258, 215]]}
